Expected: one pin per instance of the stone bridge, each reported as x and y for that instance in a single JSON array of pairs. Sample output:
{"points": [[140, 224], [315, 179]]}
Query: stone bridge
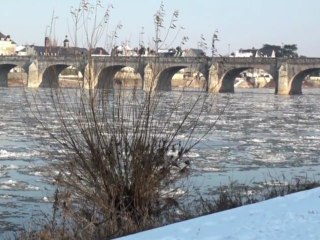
{"points": [[288, 73], [156, 72]]}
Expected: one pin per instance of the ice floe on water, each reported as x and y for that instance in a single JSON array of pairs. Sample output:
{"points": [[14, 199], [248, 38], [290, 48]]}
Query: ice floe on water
{"points": [[192, 155], [257, 140], [11, 167], [9, 184], [210, 169], [5, 196], [32, 188], [5, 154], [17, 185], [38, 173], [272, 158], [45, 199], [3, 174]]}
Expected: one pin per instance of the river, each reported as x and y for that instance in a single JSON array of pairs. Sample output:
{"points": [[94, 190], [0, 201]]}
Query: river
{"points": [[260, 137]]}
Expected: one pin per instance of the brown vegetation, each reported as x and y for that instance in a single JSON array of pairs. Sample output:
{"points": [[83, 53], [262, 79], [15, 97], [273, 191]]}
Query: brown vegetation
{"points": [[118, 153]]}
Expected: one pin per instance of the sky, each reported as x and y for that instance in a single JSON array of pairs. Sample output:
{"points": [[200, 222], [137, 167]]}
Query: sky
{"points": [[240, 23], [292, 217]]}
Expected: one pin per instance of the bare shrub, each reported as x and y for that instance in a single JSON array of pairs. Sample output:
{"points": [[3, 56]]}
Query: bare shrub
{"points": [[120, 154], [117, 153]]}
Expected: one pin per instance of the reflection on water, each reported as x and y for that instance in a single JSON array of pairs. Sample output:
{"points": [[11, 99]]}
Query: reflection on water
{"points": [[261, 135]]}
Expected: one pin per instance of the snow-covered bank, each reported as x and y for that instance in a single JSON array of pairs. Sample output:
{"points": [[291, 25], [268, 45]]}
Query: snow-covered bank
{"points": [[292, 217]]}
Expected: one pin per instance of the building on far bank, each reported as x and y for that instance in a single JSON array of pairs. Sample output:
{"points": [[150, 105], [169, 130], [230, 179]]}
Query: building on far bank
{"points": [[262, 52], [7, 46], [266, 53], [254, 77], [245, 53], [21, 50], [99, 51], [51, 49]]}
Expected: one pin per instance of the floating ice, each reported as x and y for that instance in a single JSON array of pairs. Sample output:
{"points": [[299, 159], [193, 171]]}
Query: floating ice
{"points": [[258, 140], [30, 187], [210, 169], [45, 199], [6, 154], [192, 155], [11, 167], [172, 153], [5, 196]]}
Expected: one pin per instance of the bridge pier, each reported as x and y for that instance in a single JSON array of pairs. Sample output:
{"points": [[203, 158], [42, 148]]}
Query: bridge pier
{"points": [[34, 80], [283, 87], [90, 78], [149, 83], [3, 78], [219, 81], [214, 83]]}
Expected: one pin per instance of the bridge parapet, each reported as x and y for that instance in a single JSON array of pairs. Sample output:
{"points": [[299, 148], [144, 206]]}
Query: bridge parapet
{"points": [[149, 59], [246, 60], [15, 58], [22, 61], [301, 60]]}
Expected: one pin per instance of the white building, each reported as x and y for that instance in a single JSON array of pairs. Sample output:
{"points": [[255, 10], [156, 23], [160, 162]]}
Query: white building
{"points": [[7, 46], [245, 53], [21, 51], [254, 53]]}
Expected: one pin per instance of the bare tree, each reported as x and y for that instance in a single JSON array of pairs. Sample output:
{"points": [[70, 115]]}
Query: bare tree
{"points": [[166, 39]]}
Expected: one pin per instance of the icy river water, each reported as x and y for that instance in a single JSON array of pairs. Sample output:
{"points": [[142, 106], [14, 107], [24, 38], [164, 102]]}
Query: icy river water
{"points": [[262, 136]]}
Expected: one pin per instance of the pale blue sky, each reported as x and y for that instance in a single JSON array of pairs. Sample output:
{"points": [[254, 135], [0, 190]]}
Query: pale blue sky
{"points": [[241, 23]]}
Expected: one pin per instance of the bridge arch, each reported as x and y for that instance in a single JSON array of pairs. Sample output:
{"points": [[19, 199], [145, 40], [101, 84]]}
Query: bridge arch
{"points": [[50, 76], [71, 77], [192, 77], [189, 79], [297, 80], [164, 78], [118, 76], [5, 68], [229, 77]]}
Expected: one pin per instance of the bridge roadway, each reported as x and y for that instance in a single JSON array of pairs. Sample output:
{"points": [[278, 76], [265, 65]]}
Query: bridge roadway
{"points": [[156, 72]]}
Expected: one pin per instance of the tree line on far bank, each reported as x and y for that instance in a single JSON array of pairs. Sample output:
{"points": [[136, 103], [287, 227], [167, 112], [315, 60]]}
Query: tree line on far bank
{"points": [[269, 50]]}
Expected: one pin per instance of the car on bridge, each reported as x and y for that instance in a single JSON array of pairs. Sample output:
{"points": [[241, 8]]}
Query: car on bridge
{"points": [[166, 52]]}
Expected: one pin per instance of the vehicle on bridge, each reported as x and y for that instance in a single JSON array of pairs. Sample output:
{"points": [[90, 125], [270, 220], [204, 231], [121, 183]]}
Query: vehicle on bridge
{"points": [[166, 52]]}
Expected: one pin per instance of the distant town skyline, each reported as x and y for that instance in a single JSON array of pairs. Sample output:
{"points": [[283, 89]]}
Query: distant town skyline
{"points": [[241, 24]]}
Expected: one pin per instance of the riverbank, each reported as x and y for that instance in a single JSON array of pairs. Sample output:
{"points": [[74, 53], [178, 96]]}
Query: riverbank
{"points": [[292, 217]]}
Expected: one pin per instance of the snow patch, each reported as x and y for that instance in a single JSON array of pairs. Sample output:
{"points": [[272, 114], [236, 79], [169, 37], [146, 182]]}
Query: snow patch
{"points": [[292, 217]]}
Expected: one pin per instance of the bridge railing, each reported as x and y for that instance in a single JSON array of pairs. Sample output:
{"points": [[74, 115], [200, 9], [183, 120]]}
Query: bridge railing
{"points": [[182, 60], [303, 60], [255, 60], [14, 58], [150, 59]]}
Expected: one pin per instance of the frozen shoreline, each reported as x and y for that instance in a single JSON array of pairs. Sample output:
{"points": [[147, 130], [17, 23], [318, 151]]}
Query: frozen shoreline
{"points": [[292, 217]]}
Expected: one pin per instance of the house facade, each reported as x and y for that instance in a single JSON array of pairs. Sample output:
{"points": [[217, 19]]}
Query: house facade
{"points": [[263, 52], [7, 46], [51, 49]]}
